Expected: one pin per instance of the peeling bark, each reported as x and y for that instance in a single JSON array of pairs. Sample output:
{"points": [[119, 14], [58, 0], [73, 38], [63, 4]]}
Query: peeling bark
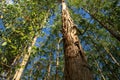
{"points": [[76, 67]]}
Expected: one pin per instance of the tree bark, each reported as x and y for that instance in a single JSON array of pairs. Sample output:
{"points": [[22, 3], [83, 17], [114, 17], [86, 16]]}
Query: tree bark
{"points": [[57, 60], [76, 67], [24, 61], [26, 56], [47, 77]]}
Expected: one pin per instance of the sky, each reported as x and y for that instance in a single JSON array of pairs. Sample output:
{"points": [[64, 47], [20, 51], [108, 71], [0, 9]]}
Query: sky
{"points": [[47, 30], [9, 1], [1, 24]]}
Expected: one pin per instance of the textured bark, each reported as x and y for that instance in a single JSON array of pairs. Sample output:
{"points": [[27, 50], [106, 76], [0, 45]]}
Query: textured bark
{"points": [[76, 67]]}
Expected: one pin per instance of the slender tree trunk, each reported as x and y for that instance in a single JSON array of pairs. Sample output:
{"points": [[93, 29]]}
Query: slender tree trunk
{"points": [[15, 62], [49, 70], [76, 67], [57, 65], [112, 57], [57, 60], [113, 75], [47, 77], [24, 61], [26, 56], [112, 32]]}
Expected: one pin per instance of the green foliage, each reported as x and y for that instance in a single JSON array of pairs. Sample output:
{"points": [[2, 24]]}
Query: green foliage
{"points": [[24, 19], [102, 48]]}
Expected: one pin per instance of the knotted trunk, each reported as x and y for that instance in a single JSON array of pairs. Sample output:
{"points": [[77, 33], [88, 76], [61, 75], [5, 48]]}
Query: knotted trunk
{"points": [[76, 67]]}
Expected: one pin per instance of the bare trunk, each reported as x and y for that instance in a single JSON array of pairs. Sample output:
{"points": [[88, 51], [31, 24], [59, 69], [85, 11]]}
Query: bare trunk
{"points": [[24, 61], [57, 65], [113, 75], [112, 57], [47, 77], [107, 27], [57, 60], [103, 77], [76, 67], [15, 62]]}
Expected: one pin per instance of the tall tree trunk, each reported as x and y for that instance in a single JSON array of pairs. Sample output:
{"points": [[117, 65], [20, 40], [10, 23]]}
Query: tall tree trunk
{"points": [[57, 60], [107, 27], [26, 56], [113, 75], [15, 62], [76, 67], [24, 61], [47, 76], [112, 57]]}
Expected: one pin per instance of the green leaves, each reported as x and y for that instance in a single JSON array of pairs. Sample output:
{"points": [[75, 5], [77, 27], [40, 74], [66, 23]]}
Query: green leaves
{"points": [[24, 19], [4, 43], [96, 15]]}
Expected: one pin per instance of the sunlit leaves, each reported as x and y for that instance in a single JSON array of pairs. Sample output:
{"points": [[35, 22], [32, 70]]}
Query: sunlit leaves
{"points": [[24, 19], [96, 38], [4, 44]]}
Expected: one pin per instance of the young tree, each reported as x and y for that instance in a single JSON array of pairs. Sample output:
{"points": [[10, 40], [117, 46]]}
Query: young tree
{"points": [[76, 67]]}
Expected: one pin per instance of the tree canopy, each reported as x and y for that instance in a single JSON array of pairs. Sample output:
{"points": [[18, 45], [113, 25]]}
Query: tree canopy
{"points": [[33, 27]]}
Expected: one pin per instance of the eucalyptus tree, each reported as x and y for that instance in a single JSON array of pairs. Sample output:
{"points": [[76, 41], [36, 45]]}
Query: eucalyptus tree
{"points": [[95, 20], [106, 13], [23, 21], [76, 66], [51, 44]]}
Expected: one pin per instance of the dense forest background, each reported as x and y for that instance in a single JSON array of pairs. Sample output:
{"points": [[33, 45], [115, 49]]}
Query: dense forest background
{"points": [[31, 38]]}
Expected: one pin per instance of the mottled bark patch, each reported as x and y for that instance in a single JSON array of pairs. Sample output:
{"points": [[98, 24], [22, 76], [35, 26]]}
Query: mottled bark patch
{"points": [[76, 67]]}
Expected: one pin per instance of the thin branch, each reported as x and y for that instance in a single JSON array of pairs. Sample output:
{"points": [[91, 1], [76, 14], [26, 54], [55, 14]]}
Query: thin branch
{"points": [[5, 65]]}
